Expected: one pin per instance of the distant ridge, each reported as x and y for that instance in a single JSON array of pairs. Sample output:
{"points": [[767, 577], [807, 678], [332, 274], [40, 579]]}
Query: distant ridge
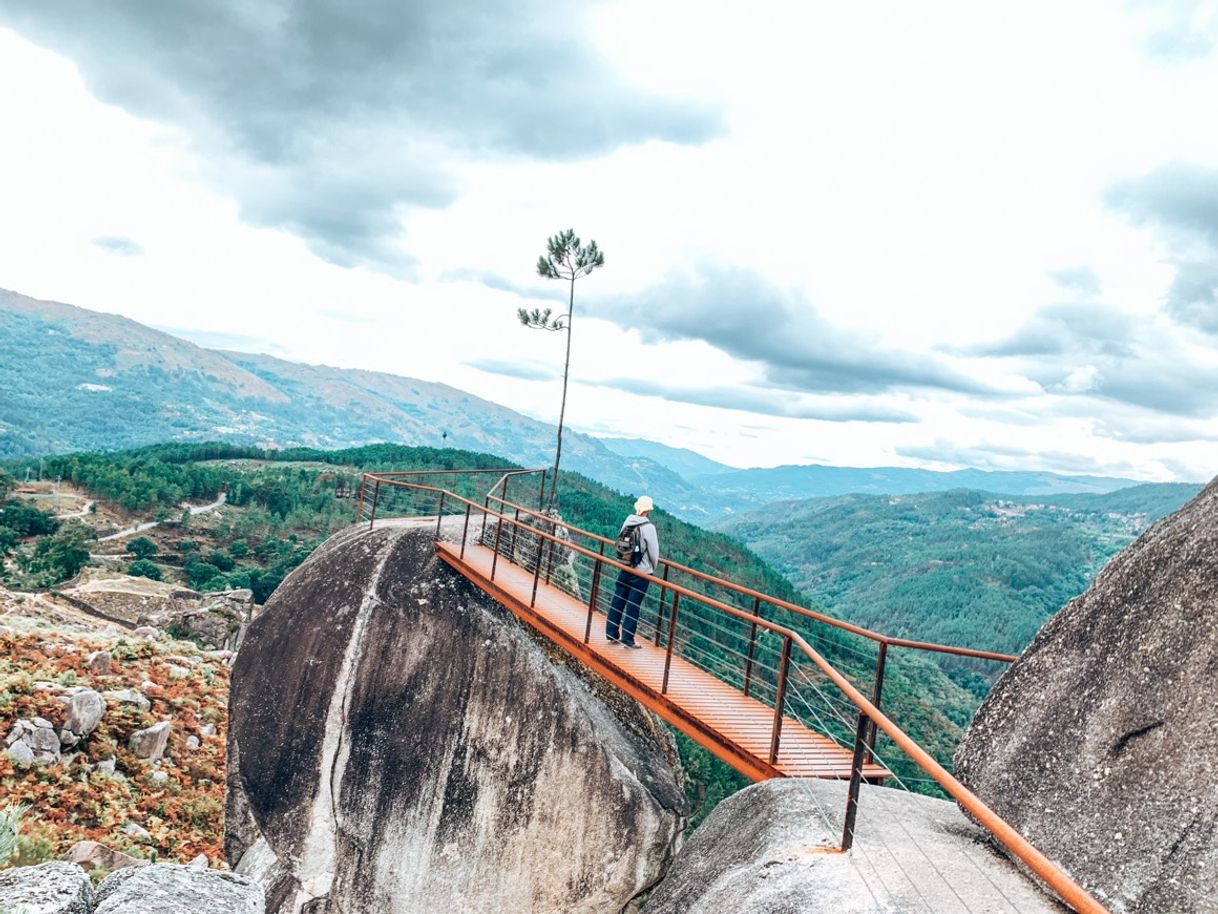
{"points": [[77, 380], [785, 483]]}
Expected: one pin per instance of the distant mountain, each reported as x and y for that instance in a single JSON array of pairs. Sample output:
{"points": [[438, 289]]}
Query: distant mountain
{"points": [[784, 483], [680, 460], [961, 567], [74, 379]]}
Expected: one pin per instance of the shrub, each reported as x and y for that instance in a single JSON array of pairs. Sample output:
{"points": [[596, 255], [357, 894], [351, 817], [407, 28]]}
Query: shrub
{"points": [[143, 568], [142, 547]]}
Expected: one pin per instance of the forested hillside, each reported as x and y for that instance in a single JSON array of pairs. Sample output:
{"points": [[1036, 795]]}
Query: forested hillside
{"points": [[963, 567], [282, 505]]}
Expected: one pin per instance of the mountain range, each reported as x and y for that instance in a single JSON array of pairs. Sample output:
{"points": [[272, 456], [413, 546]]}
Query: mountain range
{"points": [[74, 379]]}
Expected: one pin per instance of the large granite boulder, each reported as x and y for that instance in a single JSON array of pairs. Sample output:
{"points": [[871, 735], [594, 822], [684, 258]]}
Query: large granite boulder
{"points": [[49, 888], [398, 743], [772, 849], [1100, 745], [168, 888]]}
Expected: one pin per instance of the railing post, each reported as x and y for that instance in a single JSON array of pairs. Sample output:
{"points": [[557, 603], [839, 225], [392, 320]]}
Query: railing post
{"points": [[465, 530], [541, 493], [537, 570], [440, 513], [550, 552], [672, 637], [748, 666], [877, 694], [660, 611], [780, 699], [495, 557], [512, 543], [596, 586], [856, 779], [376, 495], [359, 508]]}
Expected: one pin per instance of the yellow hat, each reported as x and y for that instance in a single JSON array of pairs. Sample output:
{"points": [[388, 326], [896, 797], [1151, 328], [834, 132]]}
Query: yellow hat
{"points": [[644, 504]]}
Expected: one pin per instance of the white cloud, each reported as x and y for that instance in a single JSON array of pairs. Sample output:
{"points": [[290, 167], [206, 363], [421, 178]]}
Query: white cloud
{"points": [[906, 171]]}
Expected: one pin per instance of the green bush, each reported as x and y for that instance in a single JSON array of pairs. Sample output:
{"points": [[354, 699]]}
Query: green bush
{"points": [[144, 568], [142, 547]]}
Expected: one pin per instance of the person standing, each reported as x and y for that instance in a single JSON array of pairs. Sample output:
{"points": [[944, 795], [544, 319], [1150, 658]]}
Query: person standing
{"points": [[638, 546]]}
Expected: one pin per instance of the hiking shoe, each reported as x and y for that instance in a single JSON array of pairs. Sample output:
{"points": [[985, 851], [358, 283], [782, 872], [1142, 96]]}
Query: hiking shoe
{"points": [[611, 639], [633, 644]]}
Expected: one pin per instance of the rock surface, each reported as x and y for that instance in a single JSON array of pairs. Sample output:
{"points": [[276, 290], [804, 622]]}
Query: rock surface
{"points": [[85, 710], [94, 856], [150, 743], [49, 888], [1099, 744], [167, 888], [399, 743], [763, 851]]}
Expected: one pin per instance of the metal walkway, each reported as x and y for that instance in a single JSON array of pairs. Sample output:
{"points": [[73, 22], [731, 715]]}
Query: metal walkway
{"points": [[733, 668], [736, 728]]}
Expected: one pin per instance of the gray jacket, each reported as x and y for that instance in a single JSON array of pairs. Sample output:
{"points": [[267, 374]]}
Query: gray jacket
{"points": [[650, 541]]}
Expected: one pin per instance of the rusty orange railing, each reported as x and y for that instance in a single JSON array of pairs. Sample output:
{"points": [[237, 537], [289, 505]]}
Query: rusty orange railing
{"points": [[794, 648]]}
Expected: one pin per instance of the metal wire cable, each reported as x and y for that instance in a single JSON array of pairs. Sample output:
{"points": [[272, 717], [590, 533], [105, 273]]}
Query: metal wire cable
{"points": [[883, 841], [879, 797]]}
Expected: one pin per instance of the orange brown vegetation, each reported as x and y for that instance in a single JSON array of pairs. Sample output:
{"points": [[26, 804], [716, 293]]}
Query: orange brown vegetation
{"points": [[70, 801]]}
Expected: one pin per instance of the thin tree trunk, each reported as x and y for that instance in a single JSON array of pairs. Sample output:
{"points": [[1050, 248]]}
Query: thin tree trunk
{"points": [[562, 410]]}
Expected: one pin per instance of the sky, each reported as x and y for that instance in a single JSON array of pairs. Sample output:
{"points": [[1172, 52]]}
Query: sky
{"points": [[937, 235]]}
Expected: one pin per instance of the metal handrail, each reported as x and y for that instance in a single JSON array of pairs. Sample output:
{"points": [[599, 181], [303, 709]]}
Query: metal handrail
{"points": [[1048, 871], [741, 589]]}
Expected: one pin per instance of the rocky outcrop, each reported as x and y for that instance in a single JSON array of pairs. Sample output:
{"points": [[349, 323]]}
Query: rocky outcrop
{"points": [[399, 743], [162, 888], [167, 888], [33, 742], [1099, 744], [771, 849], [49, 888]]}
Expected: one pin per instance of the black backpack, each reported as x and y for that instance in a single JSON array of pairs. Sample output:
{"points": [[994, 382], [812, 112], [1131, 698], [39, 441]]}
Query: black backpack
{"points": [[630, 544]]}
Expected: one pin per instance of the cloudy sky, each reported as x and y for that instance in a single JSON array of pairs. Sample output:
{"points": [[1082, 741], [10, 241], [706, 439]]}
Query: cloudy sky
{"points": [[942, 235]]}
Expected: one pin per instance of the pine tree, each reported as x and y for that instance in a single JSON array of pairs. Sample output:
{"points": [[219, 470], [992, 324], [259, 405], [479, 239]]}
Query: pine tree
{"points": [[565, 258]]}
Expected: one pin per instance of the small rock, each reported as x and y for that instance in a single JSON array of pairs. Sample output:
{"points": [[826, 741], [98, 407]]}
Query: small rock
{"points": [[181, 660], [207, 730], [85, 710], [49, 888], [21, 754], [129, 697], [176, 671], [192, 742], [147, 631], [44, 743], [43, 685], [43, 722], [137, 832], [150, 743], [200, 862], [105, 767], [100, 663], [94, 856], [67, 739], [158, 777]]}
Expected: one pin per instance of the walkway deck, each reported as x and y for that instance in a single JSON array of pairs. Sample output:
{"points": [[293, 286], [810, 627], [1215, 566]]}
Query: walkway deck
{"points": [[713, 713]]}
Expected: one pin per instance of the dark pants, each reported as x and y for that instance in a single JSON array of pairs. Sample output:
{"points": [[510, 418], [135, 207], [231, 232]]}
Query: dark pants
{"points": [[627, 596]]}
